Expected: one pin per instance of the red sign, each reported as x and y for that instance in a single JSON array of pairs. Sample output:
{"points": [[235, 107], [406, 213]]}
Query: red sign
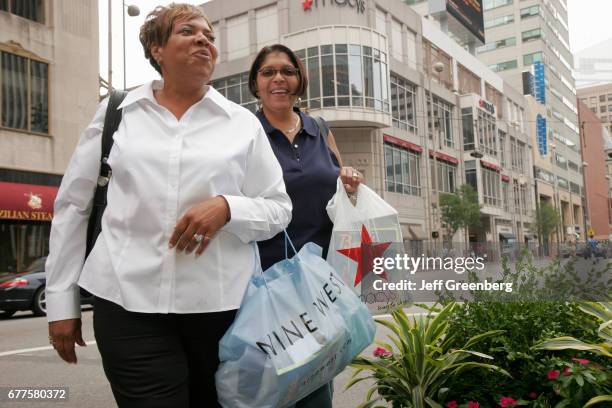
{"points": [[445, 157], [26, 201], [490, 165], [307, 4], [505, 178], [402, 143]]}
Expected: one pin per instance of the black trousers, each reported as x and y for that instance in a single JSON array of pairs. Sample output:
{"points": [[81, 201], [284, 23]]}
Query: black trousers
{"points": [[160, 360]]}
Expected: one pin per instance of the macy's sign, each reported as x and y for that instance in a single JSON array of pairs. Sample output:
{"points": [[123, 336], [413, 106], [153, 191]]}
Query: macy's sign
{"points": [[356, 4]]}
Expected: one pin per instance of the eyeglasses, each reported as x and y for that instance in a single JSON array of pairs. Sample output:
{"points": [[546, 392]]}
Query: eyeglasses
{"points": [[284, 71]]}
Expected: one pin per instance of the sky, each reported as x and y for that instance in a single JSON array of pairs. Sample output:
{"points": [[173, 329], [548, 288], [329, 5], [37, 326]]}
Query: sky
{"points": [[589, 22]]}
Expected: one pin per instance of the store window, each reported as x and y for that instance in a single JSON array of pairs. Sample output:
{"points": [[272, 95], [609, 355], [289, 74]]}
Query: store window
{"points": [[470, 174], [402, 172], [403, 103], [486, 133], [467, 121], [24, 89], [447, 176], [517, 153], [23, 242], [502, 148], [30, 9], [236, 89], [346, 75], [491, 187], [442, 116]]}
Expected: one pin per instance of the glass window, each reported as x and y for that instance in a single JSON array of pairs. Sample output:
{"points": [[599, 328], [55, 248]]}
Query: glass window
{"points": [[602, 98], [447, 176], [403, 103], [530, 12], [531, 35], [24, 86], [236, 89], [490, 4], [346, 75], [467, 120], [504, 66], [602, 109], [442, 120], [30, 9], [529, 59], [402, 170], [506, 42], [491, 188], [499, 21]]}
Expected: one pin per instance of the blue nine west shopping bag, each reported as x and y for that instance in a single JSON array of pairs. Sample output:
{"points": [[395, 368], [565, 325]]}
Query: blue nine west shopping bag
{"points": [[298, 326]]}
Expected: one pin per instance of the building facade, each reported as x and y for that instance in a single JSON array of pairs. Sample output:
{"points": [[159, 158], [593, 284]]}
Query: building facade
{"points": [[409, 108], [48, 94], [526, 39], [593, 137], [598, 99]]}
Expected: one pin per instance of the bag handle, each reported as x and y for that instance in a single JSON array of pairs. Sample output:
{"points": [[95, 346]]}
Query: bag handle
{"points": [[287, 239], [257, 258]]}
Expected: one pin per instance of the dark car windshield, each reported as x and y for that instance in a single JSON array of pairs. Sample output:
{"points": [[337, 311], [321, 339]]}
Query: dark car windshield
{"points": [[38, 265]]}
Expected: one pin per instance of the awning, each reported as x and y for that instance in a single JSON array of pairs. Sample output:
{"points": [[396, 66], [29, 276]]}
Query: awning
{"points": [[506, 235], [416, 233], [26, 201]]}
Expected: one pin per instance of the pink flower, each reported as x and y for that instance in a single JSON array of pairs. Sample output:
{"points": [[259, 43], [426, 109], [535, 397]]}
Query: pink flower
{"points": [[452, 404], [580, 360], [473, 404], [553, 374], [382, 352], [567, 371], [507, 402], [532, 395]]}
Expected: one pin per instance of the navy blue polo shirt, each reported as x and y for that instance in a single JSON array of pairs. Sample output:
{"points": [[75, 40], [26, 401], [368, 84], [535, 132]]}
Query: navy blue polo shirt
{"points": [[310, 171]]}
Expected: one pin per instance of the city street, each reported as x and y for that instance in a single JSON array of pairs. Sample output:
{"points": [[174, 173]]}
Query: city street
{"points": [[28, 361]]}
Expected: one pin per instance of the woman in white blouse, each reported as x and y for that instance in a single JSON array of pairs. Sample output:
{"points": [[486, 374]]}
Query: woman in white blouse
{"points": [[194, 183]]}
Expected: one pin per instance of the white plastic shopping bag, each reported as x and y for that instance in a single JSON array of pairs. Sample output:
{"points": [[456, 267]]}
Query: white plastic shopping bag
{"points": [[297, 328], [364, 235]]}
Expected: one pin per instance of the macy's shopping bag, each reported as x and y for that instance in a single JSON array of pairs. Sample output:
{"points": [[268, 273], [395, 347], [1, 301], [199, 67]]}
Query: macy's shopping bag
{"points": [[297, 328], [364, 235]]}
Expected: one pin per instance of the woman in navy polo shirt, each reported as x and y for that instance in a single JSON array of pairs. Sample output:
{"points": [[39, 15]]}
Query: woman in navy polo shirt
{"points": [[309, 158]]}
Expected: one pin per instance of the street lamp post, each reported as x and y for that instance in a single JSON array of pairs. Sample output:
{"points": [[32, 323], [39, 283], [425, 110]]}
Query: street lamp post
{"points": [[132, 11], [556, 196]]}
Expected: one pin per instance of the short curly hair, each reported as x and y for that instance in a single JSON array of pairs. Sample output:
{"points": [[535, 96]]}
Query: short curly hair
{"points": [[159, 23]]}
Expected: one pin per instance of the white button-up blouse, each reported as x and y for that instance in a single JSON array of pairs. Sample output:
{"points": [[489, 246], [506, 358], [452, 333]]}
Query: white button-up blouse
{"points": [[161, 167]]}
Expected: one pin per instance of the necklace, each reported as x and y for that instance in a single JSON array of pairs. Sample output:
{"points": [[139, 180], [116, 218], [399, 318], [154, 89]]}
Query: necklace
{"points": [[294, 128]]}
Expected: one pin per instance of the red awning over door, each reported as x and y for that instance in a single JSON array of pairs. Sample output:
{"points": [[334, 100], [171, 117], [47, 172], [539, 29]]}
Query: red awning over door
{"points": [[26, 201]]}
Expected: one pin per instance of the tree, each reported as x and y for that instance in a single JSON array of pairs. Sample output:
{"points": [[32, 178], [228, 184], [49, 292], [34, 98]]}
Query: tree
{"points": [[460, 210], [547, 220]]}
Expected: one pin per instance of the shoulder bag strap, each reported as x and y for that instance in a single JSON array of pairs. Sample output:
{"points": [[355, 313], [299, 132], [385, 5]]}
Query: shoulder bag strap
{"points": [[111, 123]]}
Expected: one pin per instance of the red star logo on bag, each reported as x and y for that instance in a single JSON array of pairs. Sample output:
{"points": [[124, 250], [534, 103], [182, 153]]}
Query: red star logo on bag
{"points": [[307, 4], [364, 255]]}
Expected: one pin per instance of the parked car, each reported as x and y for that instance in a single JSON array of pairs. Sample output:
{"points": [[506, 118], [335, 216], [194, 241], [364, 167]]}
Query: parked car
{"points": [[26, 291]]}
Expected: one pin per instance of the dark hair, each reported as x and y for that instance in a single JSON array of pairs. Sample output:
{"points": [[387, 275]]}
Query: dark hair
{"points": [[158, 25], [261, 56]]}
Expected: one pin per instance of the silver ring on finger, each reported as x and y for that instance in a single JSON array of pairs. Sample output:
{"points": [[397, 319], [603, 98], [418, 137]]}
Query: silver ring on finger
{"points": [[198, 238]]}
